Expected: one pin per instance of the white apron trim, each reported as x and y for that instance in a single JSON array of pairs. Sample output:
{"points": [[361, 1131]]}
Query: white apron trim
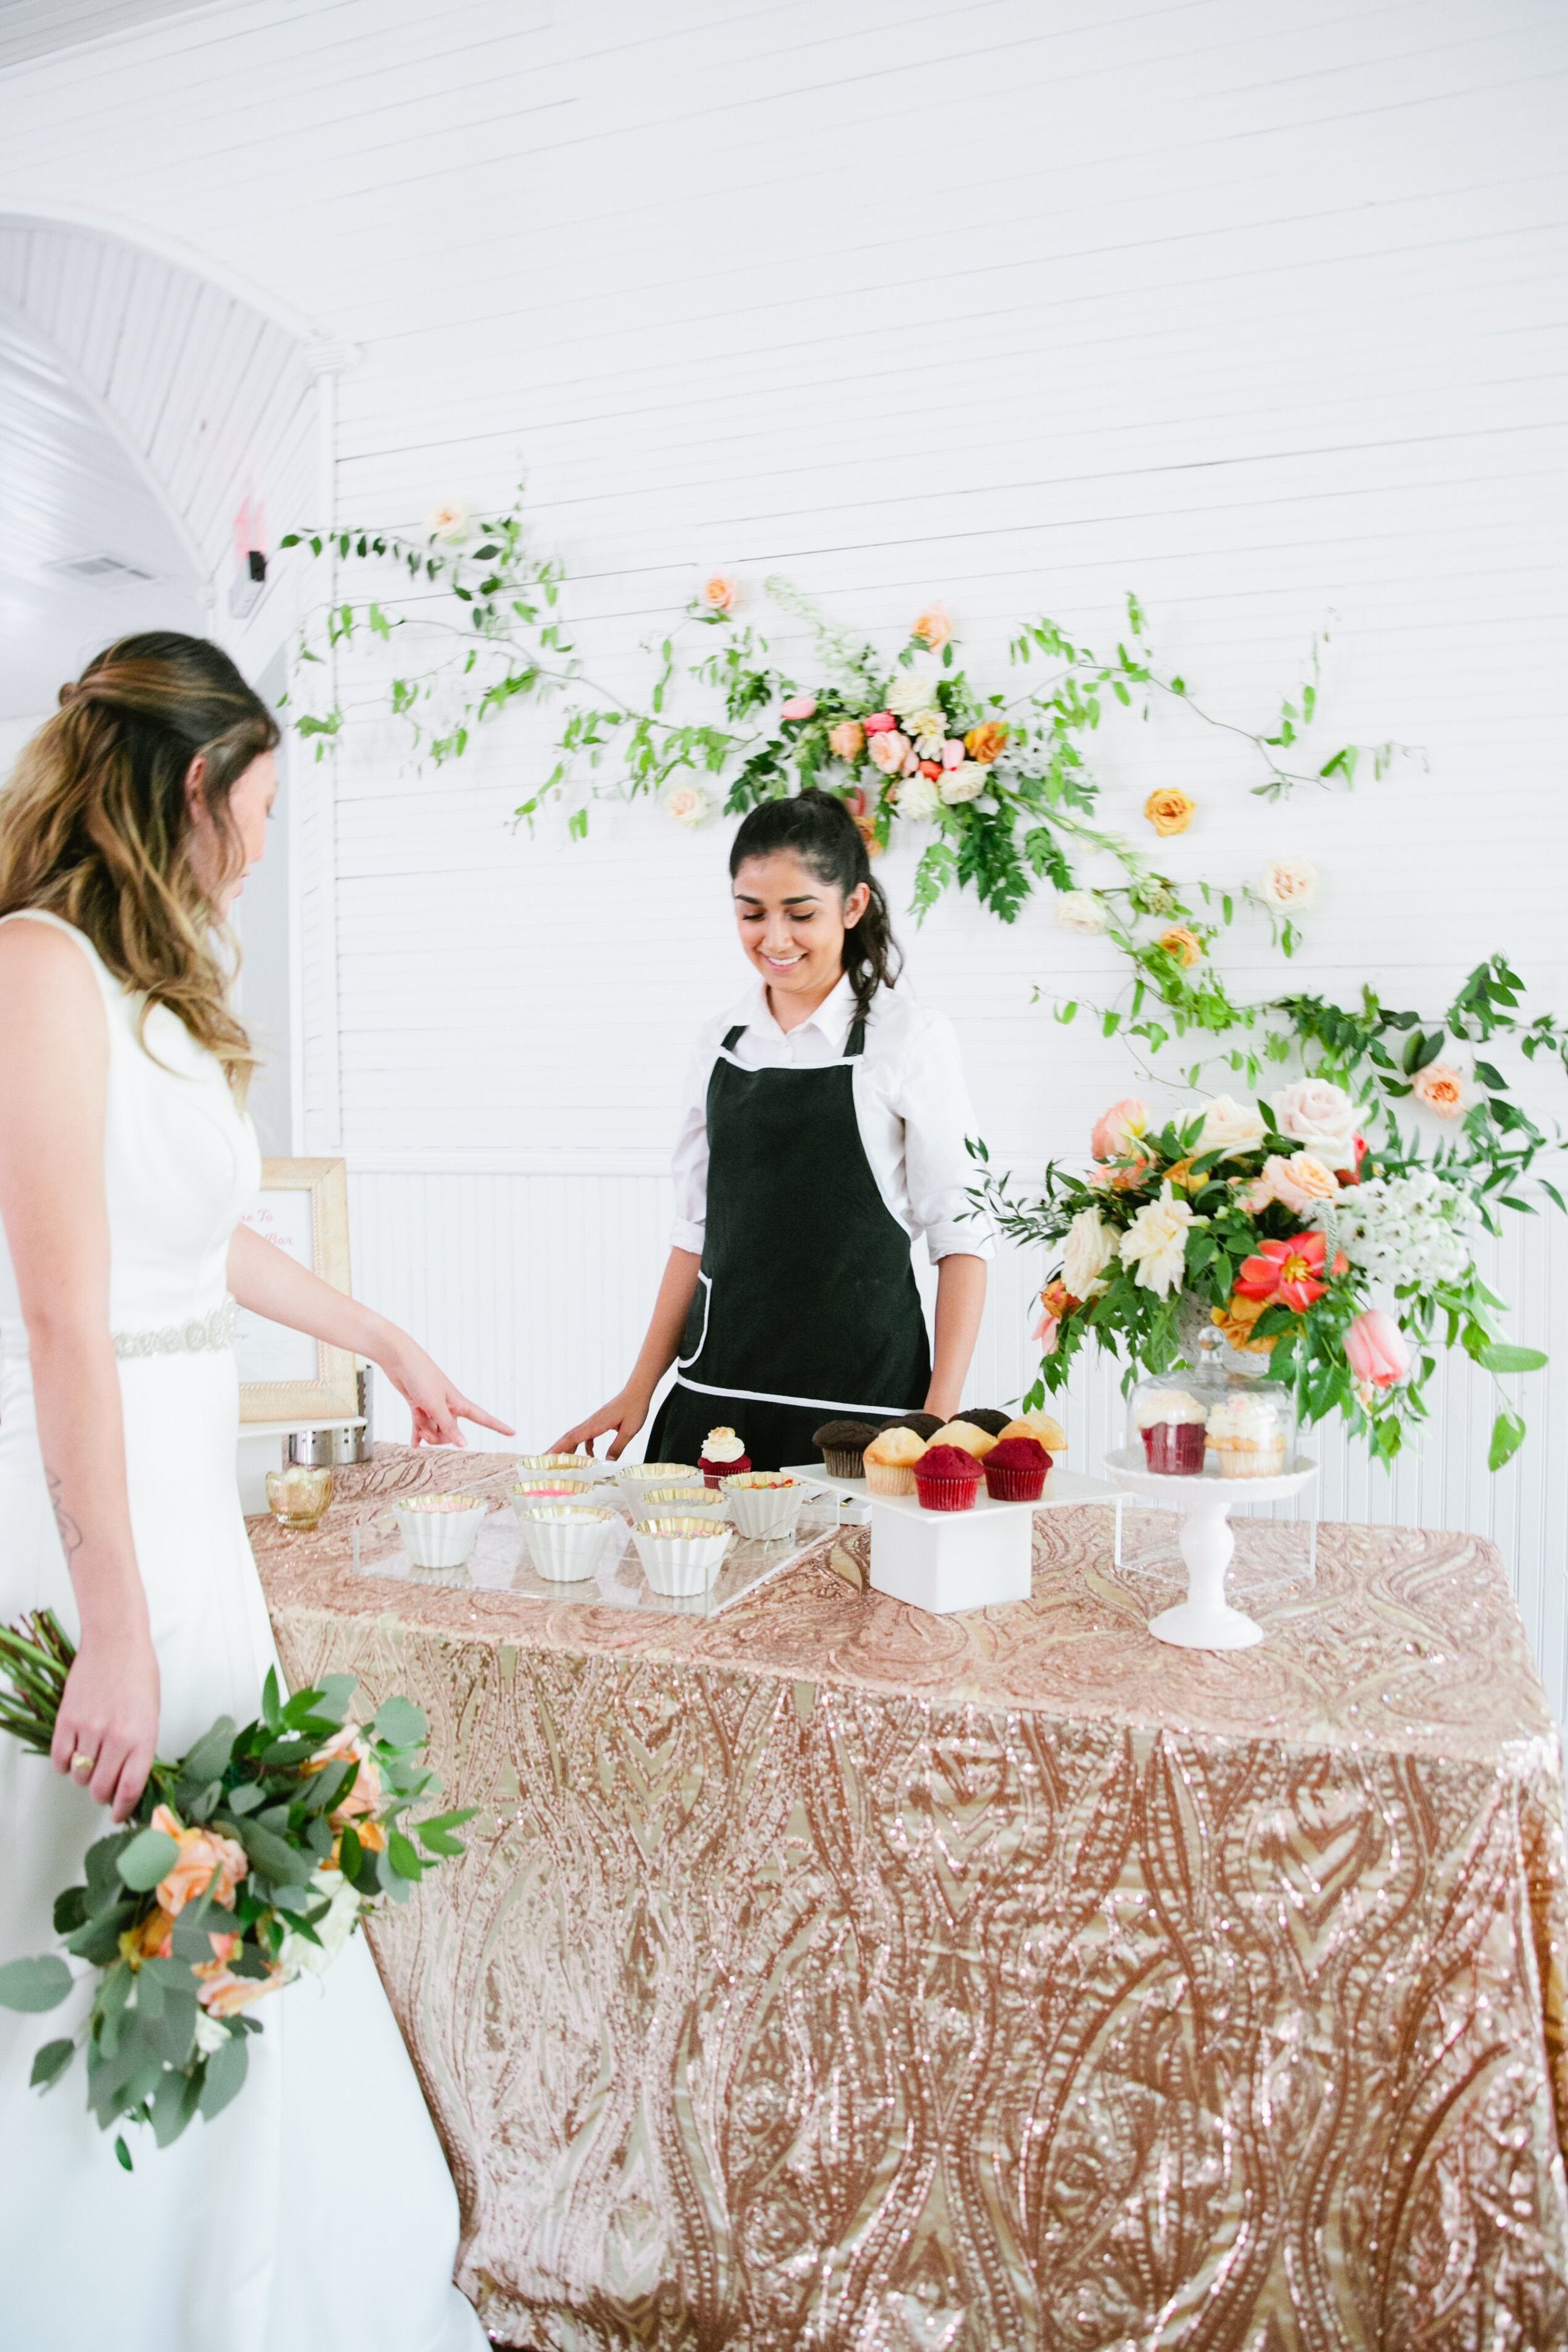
{"points": [[760, 1396]]}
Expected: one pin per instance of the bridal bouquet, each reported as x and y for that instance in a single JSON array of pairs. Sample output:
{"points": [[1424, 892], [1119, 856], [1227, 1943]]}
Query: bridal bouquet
{"points": [[1319, 1263], [249, 1863]]}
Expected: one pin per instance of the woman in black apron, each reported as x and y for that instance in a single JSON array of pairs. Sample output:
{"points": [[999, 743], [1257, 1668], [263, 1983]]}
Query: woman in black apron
{"points": [[825, 1129]]}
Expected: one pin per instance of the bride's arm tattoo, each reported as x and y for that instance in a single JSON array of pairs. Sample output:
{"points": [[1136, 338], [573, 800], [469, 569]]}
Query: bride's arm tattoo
{"points": [[70, 1534]]}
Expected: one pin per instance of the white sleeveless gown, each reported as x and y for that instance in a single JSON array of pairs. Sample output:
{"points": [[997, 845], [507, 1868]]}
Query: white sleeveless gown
{"points": [[316, 2212]]}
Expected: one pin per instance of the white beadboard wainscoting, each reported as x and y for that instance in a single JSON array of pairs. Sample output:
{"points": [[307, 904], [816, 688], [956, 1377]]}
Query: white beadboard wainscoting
{"points": [[532, 1286]]}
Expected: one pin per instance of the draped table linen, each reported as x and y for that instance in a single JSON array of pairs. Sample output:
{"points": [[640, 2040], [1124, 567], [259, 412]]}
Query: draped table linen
{"points": [[827, 1974]]}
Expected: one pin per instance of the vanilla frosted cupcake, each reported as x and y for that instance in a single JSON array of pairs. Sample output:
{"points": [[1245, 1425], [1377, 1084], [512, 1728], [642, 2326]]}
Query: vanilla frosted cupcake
{"points": [[890, 1462], [1246, 1437], [724, 1456], [968, 1436], [1042, 1427], [1171, 1423]]}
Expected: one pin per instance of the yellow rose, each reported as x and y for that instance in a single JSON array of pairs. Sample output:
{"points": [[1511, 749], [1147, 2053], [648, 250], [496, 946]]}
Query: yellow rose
{"points": [[1178, 941], [985, 741], [1169, 811]]}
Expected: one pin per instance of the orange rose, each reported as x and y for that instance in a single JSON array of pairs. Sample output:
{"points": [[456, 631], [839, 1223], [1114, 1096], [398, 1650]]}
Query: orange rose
{"points": [[1169, 811], [206, 1860], [986, 740], [1179, 943], [364, 1793], [933, 627], [222, 1995], [1234, 1324]]}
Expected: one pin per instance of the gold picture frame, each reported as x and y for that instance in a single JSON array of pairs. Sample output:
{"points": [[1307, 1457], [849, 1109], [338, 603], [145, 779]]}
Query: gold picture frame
{"points": [[303, 1207]]}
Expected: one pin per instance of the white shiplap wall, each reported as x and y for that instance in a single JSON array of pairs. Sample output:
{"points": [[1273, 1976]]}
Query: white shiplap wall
{"points": [[1022, 302]]}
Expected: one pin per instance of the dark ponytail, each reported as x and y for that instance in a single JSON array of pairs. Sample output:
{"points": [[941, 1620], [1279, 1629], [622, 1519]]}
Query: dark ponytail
{"points": [[819, 830]]}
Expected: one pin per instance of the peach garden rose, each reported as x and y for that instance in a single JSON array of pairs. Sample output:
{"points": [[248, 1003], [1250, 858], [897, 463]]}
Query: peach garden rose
{"points": [[1170, 811], [721, 592], [846, 740], [933, 627], [1441, 1088], [207, 1861]]}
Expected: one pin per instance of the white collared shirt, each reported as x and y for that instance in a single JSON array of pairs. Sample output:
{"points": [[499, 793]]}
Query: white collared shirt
{"points": [[911, 1106]]}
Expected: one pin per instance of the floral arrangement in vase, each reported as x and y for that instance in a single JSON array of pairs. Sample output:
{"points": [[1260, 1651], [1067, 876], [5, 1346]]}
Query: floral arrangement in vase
{"points": [[1322, 1265], [247, 1864]]}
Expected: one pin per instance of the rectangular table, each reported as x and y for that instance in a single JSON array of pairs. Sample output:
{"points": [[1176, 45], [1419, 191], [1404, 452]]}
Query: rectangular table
{"points": [[828, 1975]]}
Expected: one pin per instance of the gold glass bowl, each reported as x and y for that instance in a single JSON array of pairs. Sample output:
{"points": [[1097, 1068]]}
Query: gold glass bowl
{"points": [[299, 1497]]}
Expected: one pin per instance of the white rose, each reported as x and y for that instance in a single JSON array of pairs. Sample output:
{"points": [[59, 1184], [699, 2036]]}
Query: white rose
{"points": [[1319, 1113], [686, 804], [910, 691], [1286, 882], [211, 2032], [1156, 1242], [1088, 1249], [299, 1955], [928, 723], [918, 798], [1082, 911], [1230, 1127], [447, 522], [964, 782]]}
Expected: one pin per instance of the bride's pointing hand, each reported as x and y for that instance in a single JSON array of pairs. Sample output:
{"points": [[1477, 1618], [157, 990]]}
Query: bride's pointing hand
{"points": [[435, 1406]]}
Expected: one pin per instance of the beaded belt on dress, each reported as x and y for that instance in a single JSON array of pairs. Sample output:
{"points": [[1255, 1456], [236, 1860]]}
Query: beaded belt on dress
{"points": [[202, 1335]]}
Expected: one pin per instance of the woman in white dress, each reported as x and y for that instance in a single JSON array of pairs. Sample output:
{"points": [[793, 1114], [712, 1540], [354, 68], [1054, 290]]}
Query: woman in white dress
{"points": [[315, 2213]]}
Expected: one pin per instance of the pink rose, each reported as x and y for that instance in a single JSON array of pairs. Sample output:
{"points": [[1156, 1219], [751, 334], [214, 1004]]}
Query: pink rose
{"points": [[799, 707], [1441, 1088], [890, 752], [848, 740], [1117, 1130], [953, 754], [880, 722], [1376, 1348]]}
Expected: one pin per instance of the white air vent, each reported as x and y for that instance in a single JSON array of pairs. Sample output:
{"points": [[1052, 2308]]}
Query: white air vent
{"points": [[100, 567]]}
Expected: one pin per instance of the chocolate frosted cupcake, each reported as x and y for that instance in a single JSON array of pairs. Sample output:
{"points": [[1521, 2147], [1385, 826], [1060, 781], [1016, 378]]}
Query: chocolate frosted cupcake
{"points": [[924, 1424], [987, 1417], [842, 1446]]}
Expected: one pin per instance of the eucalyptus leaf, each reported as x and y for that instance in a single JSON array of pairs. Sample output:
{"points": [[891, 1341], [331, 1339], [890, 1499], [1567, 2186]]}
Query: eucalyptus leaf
{"points": [[224, 2075], [34, 1985], [150, 1856], [50, 2063], [205, 1760], [400, 1722]]}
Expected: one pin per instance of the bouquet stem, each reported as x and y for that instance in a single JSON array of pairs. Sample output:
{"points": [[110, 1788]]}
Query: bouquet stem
{"points": [[35, 1656]]}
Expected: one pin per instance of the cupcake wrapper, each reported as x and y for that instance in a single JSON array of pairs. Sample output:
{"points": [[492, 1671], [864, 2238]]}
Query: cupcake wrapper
{"points": [[1015, 1485], [841, 1463], [715, 1472], [889, 1478], [946, 1494], [1175, 1448]]}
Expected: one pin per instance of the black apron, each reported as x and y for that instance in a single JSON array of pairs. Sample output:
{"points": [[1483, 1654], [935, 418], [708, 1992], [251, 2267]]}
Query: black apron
{"points": [[807, 1309]]}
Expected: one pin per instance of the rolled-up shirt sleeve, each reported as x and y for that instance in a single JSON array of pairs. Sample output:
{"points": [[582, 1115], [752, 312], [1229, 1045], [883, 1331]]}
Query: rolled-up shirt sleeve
{"points": [[688, 1163], [939, 1118]]}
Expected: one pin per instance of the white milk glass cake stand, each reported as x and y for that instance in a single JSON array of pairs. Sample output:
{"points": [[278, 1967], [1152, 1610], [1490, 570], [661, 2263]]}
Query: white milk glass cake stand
{"points": [[1205, 1619]]}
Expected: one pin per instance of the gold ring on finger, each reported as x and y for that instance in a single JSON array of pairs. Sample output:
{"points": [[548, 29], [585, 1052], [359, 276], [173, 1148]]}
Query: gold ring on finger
{"points": [[83, 1763]]}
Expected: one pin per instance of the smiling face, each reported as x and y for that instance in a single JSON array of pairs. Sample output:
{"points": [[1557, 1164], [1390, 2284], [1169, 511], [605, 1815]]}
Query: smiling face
{"points": [[792, 926], [223, 850]]}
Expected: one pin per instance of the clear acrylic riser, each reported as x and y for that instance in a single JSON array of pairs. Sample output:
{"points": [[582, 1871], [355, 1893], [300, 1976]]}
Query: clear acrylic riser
{"points": [[499, 1563]]}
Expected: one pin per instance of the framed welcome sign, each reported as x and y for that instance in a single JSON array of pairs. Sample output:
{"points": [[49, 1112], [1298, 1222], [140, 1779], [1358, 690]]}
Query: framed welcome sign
{"points": [[303, 1207]]}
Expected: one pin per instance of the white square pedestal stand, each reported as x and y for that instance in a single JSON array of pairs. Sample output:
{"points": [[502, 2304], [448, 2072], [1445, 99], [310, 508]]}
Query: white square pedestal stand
{"points": [[948, 1561]]}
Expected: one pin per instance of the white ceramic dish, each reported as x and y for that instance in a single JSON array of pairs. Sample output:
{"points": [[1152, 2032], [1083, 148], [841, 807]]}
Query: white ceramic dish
{"points": [[637, 1480], [440, 1530], [565, 1540], [763, 1512], [694, 1502], [681, 1556], [533, 1494], [538, 1466]]}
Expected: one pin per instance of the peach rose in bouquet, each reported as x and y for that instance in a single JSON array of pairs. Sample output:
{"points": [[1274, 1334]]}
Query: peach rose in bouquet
{"points": [[207, 1863], [1441, 1088], [846, 740]]}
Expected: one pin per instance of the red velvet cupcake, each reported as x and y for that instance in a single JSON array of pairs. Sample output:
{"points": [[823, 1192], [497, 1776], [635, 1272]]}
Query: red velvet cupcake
{"points": [[1015, 1470], [947, 1479], [723, 1456]]}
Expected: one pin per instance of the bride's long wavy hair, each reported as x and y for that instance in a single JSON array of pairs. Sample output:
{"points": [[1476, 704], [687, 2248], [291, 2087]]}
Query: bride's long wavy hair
{"points": [[95, 824]]}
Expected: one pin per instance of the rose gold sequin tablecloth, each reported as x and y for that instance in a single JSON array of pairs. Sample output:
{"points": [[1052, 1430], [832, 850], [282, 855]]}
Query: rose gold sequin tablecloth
{"points": [[826, 1975]]}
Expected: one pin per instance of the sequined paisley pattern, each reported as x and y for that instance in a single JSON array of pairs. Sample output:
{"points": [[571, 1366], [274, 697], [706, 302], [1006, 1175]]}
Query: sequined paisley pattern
{"points": [[825, 1975]]}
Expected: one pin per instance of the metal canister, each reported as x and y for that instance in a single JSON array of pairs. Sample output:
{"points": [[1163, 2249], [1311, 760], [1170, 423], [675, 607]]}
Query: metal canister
{"points": [[322, 1449]]}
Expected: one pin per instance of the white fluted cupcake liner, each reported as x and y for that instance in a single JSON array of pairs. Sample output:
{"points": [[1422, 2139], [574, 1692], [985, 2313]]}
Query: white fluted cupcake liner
{"points": [[441, 1531], [567, 1540], [681, 1556], [763, 1513]]}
